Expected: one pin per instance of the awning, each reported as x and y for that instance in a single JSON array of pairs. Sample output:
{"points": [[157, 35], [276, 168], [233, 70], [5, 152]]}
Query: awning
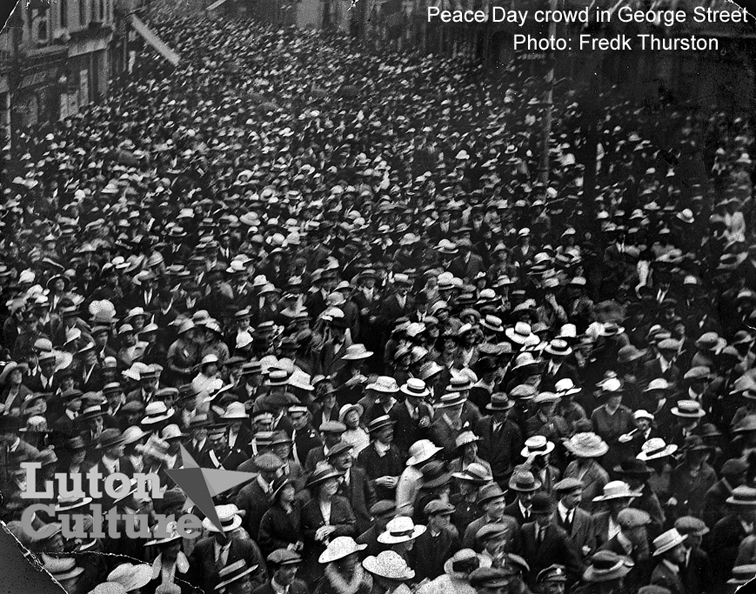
{"points": [[216, 4], [150, 37]]}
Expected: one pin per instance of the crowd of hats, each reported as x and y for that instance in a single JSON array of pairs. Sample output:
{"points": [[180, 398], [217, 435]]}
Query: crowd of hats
{"points": [[286, 229]]}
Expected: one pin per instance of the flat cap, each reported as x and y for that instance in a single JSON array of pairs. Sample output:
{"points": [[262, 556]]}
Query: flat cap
{"points": [[438, 507], [489, 577], [382, 508], [491, 531], [284, 557], [268, 462], [553, 573], [632, 518], [691, 525], [567, 485]]}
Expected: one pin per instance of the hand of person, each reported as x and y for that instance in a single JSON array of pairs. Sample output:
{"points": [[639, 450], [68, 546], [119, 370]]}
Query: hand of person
{"points": [[324, 532], [624, 438], [672, 502], [424, 423]]}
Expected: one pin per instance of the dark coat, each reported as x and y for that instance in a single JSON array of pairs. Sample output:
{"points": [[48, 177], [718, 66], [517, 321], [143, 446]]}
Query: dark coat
{"points": [[255, 502], [663, 576], [391, 464], [361, 495], [502, 450], [431, 552], [204, 571], [555, 547], [278, 529], [342, 517], [724, 542], [582, 532], [696, 573]]}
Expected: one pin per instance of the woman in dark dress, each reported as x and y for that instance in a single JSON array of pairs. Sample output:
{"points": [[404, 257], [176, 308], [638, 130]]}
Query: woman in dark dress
{"points": [[279, 527]]}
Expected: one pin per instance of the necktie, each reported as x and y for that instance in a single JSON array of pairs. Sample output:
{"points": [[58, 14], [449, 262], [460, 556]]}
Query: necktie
{"points": [[568, 521], [223, 556]]}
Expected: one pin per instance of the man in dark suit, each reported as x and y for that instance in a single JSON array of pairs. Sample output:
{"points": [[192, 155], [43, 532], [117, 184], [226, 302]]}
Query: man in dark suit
{"points": [[500, 438], [331, 432], [437, 544], [355, 485], [221, 549], [256, 497], [468, 264], [544, 543], [632, 542], [491, 501], [576, 522], [396, 304], [413, 417], [525, 485], [283, 564], [557, 367], [670, 552], [695, 571], [45, 380], [382, 460]]}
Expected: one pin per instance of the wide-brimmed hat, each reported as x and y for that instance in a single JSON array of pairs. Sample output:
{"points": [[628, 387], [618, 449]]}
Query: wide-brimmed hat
{"points": [[586, 445], [384, 384], [633, 467], [67, 504], [474, 473], [233, 572], [379, 423], [537, 445], [747, 423], [526, 362], [499, 401], [607, 566], [235, 411], [742, 574], [357, 352], [422, 451], [492, 323], [109, 438], [461, 563], [465, 438], [695, 443], [390, 565], [229, 518], [10, 368], [322, 473], [130, 576], [667, 541], [400, 529], [616, 490], [156, 412], [566, 387], [339, 548], [743, 497], [656, 448], [62, 568], [434, 475], [522, 334]]}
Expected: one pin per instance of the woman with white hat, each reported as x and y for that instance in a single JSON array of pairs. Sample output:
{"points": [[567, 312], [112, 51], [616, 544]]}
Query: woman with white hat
{"points": [[390, 572], [587, 448], [456, 578], [343, 573]]}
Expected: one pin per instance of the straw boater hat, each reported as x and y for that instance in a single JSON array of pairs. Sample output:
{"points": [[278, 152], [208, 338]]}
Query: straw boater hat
{"points": [[742, 497], [390, 565], [161, 537], [688, 409], [586, 445], [537, 445], [233, 572], [656, 448], [400, 529], [229, 517], [339, 548], [667, 541], [607, 566], [131, 577]]}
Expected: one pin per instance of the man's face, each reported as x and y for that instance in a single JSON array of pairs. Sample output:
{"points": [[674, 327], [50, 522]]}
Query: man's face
{"points": [[526, 497], [677, 555], [199, 433], [386, 435], [285, 575], [553, 588], [299, 421], [218, 442], [495, 508], [343, 462], [115, 452], [48, 367], [149, 385]]}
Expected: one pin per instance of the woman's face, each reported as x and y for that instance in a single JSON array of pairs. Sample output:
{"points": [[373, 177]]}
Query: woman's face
{"points": [[347, 564], [352, 419], [15, 377], [329, 488]]}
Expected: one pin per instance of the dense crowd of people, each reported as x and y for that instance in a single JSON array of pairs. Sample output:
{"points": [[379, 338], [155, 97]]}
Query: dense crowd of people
{"points": [[337, 271]]}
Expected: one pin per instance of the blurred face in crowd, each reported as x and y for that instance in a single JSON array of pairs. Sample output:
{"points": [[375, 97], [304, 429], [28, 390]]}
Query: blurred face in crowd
{"points": [[217, 442], [386, 434], [495, 508], [299, 421], [285, 574]]}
